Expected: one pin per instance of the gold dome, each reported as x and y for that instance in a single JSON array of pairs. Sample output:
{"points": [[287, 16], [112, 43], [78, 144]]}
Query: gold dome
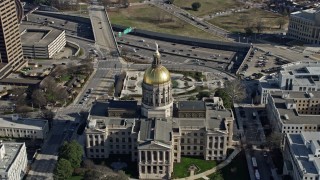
{"points": [[156, 75]]}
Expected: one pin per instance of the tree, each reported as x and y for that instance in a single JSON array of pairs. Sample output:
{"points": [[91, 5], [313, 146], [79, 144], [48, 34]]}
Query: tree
{"points": [[248, 30], [203, 94], [48, 115], [259, 26], [60, 94], [192, 98], [48, 83], [274, 140], [59, 70], [281, 21], [71, 151], [195, 6], [227, 103], [63, 170], [170, 1], [217, 176], [18, 95], [235, 90], [85, 68], [38, 98]]}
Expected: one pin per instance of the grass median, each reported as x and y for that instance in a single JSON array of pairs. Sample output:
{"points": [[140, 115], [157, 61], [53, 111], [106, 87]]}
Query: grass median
{"points": [[151, 18], [236, 22], [208, 6]]}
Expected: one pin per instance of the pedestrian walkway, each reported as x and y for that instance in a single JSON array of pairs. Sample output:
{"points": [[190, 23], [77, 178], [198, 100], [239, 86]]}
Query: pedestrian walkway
{"points": [[215, 169]]}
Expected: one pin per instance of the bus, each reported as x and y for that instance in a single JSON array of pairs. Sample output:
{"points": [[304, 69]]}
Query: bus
{"points": [[254, 162]]}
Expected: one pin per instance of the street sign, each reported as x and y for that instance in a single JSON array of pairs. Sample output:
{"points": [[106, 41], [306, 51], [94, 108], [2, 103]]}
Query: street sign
{"points": [[128, 30]]}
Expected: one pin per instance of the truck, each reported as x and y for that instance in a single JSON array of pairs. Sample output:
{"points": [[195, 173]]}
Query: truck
{"points": [[254, 162], [257, 174]]}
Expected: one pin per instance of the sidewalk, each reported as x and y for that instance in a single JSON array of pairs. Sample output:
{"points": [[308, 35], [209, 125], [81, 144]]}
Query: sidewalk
{"points": [[213, 170]]}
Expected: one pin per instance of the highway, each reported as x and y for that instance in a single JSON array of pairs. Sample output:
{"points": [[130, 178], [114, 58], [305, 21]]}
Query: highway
{"points": [[187, 17], [101, 28], [172, 53]]}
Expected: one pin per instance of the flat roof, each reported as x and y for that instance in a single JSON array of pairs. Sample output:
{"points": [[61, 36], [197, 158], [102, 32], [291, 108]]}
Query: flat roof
{"points": [[11, 152], [306, 14], [294, 116], [39, 36], [191, 106], [301, 152], [301, 68], [127, 105], [35, 124]]}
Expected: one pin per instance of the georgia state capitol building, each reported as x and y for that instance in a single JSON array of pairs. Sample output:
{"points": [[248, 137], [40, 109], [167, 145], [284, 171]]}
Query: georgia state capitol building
{"points": [[157, 131]]}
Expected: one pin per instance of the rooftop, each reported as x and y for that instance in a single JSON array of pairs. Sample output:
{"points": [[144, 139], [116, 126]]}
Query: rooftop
{"points": [[301, 68], [155, 129], [35, 124], [306, 14], [302, 153], [128, 105], [191, 106], [11, 152], [293, 116], [39, 36]]}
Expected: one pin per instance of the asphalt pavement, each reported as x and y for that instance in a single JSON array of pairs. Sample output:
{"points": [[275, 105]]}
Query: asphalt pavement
{"points": [[195, 21]]}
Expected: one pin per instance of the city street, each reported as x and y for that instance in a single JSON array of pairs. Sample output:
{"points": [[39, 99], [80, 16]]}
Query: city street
{"points": [[107, 68]]}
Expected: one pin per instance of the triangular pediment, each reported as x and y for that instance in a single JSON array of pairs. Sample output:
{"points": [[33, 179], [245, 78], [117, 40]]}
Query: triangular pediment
{"points": [[154, 145]]}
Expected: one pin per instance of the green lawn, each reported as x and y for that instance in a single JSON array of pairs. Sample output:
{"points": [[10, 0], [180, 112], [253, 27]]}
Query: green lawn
{"points": [[237, 168], [236, 22], [151, 18], [208, 6], [175, 84], [76, 178], [180, 170]]}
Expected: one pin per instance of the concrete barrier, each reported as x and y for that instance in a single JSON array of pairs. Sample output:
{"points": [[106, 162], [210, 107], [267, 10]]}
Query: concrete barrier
{"points": [[74, 45]]}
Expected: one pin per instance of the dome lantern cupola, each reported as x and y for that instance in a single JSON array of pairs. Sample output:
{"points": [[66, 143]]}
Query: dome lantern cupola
{"points": [[156, 73], [157, 98]]}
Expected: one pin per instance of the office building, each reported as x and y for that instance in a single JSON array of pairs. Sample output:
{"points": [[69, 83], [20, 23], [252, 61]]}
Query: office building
{"points": [[294, 112], [11, 56], [301, 156], [297, 76], [42, 42], [157, 132], [13, 161], [305, 26], [24, 128]]}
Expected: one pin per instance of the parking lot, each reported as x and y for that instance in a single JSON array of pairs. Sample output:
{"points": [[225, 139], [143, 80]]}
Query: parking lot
{"points": [[260, 62]]}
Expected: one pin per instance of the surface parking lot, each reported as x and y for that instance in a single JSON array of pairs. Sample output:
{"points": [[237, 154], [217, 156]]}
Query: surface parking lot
{"points": [[260, 62]]}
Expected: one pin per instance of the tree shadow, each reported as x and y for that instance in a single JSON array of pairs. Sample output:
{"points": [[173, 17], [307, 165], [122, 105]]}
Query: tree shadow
{"points": [[34, 177], [187, 8]]}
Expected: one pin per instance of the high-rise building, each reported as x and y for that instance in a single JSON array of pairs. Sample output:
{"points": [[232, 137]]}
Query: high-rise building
{"points": [[11, 56]]}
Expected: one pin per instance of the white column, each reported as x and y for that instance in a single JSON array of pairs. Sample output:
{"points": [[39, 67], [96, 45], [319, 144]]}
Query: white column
{"points": [[140, 156], [152, 157], [164, 156], [145, 156], [158, 156]]}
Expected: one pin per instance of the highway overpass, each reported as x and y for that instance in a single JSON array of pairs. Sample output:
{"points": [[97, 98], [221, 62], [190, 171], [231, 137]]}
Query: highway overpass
{"points": [[102, 30]]}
